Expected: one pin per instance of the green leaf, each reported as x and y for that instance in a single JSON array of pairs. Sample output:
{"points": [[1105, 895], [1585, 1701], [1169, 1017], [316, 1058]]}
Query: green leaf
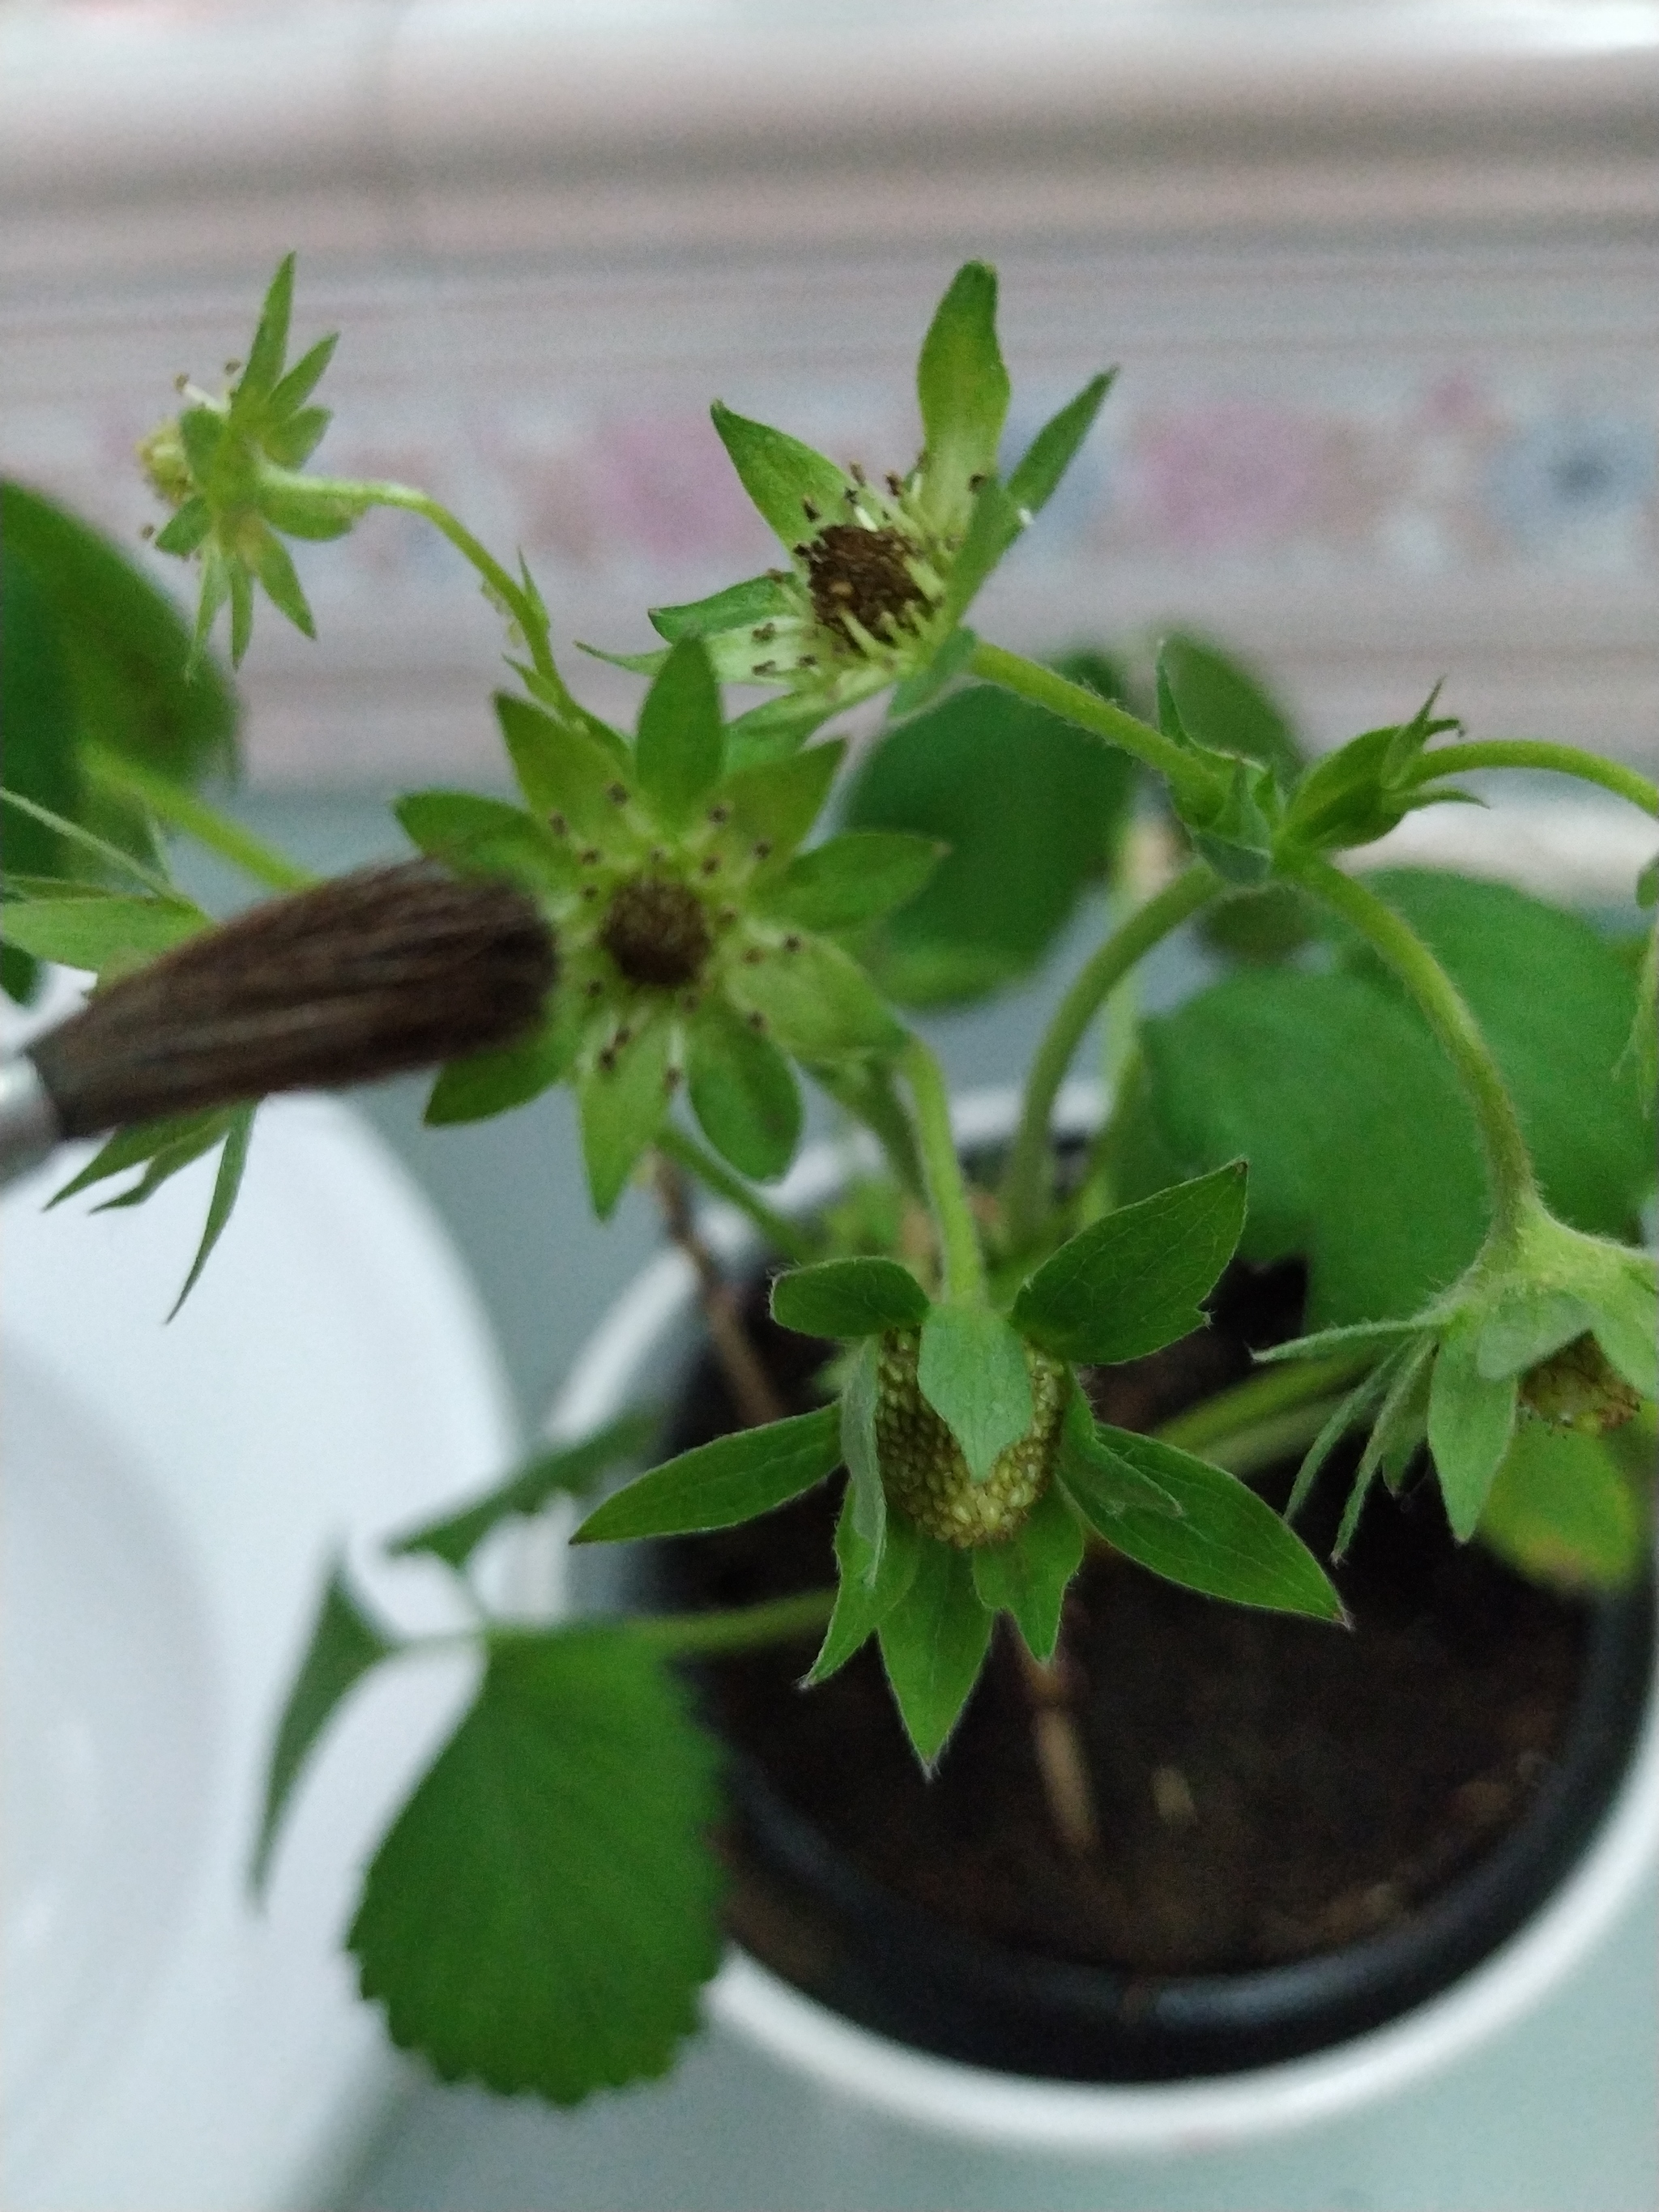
{"points": [[1347, 1112], [544, 1910], [774, 729], [872, 1583], [721, 1484], [163, 1160], [1223, 1541], [124, 648], [291, 444], [302, 380], [963, 389], [775, 803], [91, 932], [680, 734], [1223, 705], [972, 1371], [1626, 1323], [260, 377], [623, 1107], [489, 1083], [202, 433], [488, 837], [240, 588], [920, 689], [849, 1298], [933, 1642], [781, 475], [818, 1000], [1561, 1511], [343, 1646], [226, 1185], [1525, 1327], [187, 530], [1133, 1281], [866, 1492], [744, 1092], [557, 1470], [992, 529], [1027, 1576], [1030, 809], [147, 1141], [852, 879], [1555, 1000], [1050, 453], [560, 769], [1471, 1421], [281, 580], [739, 606]]}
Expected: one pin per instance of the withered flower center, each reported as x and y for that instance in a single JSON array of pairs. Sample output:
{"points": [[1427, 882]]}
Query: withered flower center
{"points": [[657, 932], [862, 572]]}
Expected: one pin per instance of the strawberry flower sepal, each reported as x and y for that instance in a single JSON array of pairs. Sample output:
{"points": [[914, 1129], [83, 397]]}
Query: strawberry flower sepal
{"points": [[880, 576], [1546, 1324], [699, 946], [232, 468]]}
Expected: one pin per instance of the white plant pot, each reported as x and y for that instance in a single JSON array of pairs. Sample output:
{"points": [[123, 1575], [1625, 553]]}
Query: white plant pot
{"points": [[1205, 2139]]}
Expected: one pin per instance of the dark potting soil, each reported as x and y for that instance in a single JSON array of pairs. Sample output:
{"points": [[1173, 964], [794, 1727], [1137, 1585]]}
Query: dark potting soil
{"points": [[1265, 1787]]}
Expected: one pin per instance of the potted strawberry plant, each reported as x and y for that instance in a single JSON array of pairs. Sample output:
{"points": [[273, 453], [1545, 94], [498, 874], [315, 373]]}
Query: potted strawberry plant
{"points": [[1049, 1493]]}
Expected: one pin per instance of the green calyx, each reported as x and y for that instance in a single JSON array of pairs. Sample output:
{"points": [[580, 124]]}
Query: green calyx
{"points": [[924, 1471], [880, 575]]}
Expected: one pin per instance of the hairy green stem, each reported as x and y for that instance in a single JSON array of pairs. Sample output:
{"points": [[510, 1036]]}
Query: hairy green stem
{"points": [[1509, 1164], [506, 587], [961, 1259], [183, 811], [785, 1238], [1026, 1183], [688, 1635], [1030, 680], [1538, 753]]}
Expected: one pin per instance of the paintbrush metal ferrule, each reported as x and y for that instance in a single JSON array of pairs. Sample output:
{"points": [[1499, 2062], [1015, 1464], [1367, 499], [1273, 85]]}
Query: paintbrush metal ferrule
{"points": [[30, 1129]]}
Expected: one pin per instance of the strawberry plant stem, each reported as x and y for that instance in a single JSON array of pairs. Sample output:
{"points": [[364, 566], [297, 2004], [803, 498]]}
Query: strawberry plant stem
{"points": [[1538, 753], [1025, 1185], [962, 1263]]}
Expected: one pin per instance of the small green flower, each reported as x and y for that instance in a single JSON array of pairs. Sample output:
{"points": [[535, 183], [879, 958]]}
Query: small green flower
{"points": [[880, 576], [1545, 1322], [697, 943], [230, 467]]}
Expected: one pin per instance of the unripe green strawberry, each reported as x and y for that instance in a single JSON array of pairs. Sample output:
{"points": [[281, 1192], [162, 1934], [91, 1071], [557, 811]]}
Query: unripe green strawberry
{"points": [[922, 1468], [1578, 1387]]}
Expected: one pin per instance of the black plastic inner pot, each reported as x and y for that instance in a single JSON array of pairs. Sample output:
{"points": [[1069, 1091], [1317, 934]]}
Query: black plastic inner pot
{"points": [[881, 1960]]}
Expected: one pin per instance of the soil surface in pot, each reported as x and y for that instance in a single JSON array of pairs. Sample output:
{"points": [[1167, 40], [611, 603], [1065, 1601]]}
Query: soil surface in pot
{"points": [[1266, 1788]]}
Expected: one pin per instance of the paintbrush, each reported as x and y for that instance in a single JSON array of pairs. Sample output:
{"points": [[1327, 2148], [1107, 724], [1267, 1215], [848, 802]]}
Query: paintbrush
{"points": [[367, 976]]}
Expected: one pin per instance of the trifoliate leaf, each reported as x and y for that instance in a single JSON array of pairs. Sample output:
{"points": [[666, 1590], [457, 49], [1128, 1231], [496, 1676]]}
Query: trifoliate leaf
{"points": [[542, 1914], [781, 475], [1223, 1540], [933, 1642], [721, 1484], [963, 389], [345, 1644], [1471, 1420], [972, 1371], [557, 1470], [1027, 1575], [744, 1092], [1131, 1282], [817, 1001], [681, 736], [872, 1583], [852, 879], [849, 1298], [623, 1098]]}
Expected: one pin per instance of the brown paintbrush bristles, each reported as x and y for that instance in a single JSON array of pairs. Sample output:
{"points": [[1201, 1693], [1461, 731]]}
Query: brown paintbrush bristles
{"points": [[367, 976]]}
